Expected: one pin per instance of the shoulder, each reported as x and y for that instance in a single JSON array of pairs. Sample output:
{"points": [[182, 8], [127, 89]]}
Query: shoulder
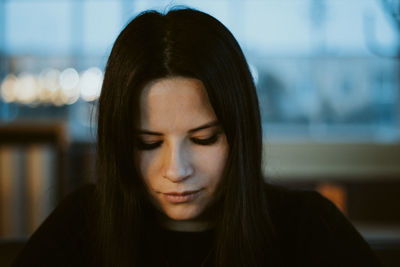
{"points": [[314, 231], [62, 237], [292, 203]]}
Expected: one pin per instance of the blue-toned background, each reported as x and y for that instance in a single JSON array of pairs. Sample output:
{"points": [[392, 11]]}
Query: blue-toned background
{"points": [[327, 76], [324, 69]]}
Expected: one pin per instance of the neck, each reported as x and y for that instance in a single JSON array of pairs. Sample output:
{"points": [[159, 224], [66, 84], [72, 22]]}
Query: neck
{"points": [[194, 225], [186, 226]]}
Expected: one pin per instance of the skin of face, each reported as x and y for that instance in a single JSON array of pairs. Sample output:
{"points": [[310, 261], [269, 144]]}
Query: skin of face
{"points": [[174, 154]]}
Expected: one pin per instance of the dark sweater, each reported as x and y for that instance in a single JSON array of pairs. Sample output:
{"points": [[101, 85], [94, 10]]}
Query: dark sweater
{"points": [[311, 232]]}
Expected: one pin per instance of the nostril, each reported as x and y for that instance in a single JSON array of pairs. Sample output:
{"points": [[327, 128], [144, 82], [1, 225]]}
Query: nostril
{"points": [[178, 171], [178, 175]]}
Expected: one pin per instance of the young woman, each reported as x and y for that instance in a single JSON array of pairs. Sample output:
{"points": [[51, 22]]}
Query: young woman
{"points": [[179, 158]]}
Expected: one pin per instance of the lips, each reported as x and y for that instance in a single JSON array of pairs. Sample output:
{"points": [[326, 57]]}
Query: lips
{"points": [[181, 197]]}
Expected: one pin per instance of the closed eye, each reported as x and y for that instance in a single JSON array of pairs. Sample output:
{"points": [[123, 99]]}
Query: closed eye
{"points": [[206, 141], [141, 145]]}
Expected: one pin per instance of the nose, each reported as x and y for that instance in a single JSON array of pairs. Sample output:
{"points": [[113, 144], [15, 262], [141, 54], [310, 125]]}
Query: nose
{"points": [[177, 164]]}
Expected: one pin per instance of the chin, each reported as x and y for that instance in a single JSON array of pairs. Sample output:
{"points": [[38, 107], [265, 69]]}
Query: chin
{"points": [[182, 214]]}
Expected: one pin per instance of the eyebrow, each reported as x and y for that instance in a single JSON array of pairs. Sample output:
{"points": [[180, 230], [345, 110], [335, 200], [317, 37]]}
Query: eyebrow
{"points": [[202, 127]]}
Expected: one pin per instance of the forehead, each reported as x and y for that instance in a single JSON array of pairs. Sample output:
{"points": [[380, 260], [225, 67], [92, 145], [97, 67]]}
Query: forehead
{"points": [[174, 103]]}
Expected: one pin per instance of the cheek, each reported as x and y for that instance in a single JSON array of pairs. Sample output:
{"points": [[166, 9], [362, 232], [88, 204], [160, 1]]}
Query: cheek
{"points": [[212, 163], [146, 162]]}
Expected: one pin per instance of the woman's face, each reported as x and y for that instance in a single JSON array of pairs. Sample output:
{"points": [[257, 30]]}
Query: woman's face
{"points": [[182, 148]]}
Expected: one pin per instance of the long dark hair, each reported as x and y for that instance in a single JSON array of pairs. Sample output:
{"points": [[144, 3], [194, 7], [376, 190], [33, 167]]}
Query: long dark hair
{"points": [[188, 43]]}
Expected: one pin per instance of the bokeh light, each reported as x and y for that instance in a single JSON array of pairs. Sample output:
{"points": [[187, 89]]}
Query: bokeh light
{"points": [[26, 88], [90, 84], [69, 80], [7, 88]]}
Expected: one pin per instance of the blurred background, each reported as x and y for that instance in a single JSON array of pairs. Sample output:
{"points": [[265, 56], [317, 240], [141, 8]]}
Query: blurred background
{"points": [[327, 75]]}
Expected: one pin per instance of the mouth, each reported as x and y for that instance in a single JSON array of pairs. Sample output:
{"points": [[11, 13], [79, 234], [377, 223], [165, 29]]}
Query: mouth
{"points": [[181, 197]]}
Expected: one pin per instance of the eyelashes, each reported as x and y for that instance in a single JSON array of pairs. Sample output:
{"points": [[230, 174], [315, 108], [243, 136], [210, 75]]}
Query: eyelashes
{"points": [[207, 141], [147, 146], [141, 145]]}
